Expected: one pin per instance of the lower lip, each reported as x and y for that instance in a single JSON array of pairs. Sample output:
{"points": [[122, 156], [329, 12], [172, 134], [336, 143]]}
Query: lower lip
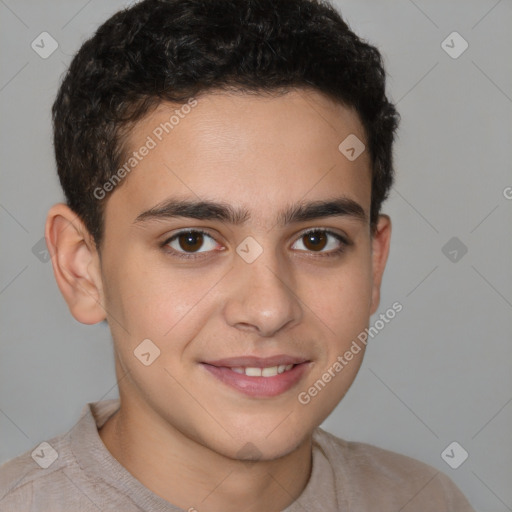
{"points": [[259, 386]]}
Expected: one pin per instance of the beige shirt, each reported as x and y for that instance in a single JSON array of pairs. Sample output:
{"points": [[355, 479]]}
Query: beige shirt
{"points": [[75, 472]]}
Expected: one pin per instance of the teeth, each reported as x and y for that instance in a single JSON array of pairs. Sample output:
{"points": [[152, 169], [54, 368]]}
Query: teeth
{"points": [[270, 371], [253, 372]]}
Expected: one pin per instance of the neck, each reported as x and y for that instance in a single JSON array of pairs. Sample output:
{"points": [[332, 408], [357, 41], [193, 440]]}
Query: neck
{"points": [[191, 476]]}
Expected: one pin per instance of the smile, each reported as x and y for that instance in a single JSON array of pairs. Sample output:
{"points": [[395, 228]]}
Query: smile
{"points": [[269, 371], [259, 378]]}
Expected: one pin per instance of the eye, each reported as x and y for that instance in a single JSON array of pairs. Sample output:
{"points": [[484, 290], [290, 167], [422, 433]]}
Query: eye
{"points": [[191, 243], [316, 240], [188, 243]]}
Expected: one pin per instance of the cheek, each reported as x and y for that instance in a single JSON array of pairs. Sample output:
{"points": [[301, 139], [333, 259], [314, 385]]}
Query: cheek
{"points": [[344, 299], [343, 305], [151, 301]]}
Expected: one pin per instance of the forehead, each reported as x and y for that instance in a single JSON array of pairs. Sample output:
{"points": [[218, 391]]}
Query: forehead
{"points": [[259, 152]]}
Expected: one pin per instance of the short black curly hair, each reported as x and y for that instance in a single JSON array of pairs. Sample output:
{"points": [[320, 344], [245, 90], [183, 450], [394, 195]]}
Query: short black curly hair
{"points": [[175, 50]]}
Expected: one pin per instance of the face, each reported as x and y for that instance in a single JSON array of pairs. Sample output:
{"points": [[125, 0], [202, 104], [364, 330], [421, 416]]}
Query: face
{"points": [[262, 276]]}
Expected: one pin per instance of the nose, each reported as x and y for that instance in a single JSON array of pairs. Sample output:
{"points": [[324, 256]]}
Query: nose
{"points": [[262, 296]]}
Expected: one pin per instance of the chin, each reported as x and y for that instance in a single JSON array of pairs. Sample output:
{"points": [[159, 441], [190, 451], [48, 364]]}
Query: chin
{"points": [[268, 444]]}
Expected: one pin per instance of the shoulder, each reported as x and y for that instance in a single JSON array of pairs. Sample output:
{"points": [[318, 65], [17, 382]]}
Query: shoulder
{"points": [[363, 457], [51, 476], [377, 476], [40, 467]]}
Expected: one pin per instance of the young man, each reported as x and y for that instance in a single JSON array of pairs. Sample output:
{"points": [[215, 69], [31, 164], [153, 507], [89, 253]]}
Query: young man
{"points": [[224, 164]]}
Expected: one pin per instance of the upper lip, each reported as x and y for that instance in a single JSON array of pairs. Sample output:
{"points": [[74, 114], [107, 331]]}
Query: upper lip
{"points": [[257, 362]]}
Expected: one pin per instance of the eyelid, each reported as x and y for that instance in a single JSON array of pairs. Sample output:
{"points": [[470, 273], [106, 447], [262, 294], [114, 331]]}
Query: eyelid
{"points": [[172, 237], [345, 241], [205, 231], [330, 231]]}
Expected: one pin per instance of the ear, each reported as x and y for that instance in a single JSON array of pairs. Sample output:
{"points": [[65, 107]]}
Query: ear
{"points": [[380, 250], [76, 264]]}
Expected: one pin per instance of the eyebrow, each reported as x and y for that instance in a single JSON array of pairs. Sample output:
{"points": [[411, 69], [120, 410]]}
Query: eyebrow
{"points": [[226, 213]]}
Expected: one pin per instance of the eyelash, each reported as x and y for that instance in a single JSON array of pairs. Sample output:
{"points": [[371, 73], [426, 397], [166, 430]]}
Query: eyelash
{"points": [[337, 252]]}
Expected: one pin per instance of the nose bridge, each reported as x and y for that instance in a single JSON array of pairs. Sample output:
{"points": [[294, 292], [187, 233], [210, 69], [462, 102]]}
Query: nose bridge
{"points": [[262, 294]]}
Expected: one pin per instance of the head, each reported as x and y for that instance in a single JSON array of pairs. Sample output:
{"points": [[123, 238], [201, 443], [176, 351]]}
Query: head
{"points": [[212, 209]]}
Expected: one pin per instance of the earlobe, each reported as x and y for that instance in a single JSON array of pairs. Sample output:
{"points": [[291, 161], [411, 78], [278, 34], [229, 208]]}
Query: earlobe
{"points": [[380, 250], [76, 264]]}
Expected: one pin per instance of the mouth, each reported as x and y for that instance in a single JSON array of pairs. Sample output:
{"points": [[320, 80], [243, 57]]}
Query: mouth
{"points": [[259, 377], [268, 371]]}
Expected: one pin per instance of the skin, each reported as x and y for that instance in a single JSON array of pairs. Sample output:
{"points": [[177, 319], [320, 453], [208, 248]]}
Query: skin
{"points": [[180, 430]]}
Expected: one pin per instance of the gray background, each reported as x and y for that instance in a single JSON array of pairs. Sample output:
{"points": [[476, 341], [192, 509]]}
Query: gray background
{"points": [[439, 372]]}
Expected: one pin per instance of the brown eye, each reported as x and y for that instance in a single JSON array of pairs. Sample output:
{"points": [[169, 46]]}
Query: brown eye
{"points": [[190, 242], [315, 240], [323, 241]]}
